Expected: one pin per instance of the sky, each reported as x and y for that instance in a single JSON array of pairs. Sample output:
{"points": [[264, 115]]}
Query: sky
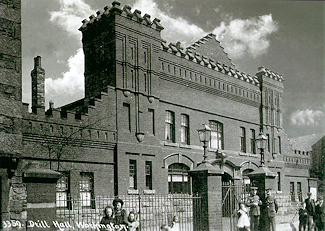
{"points": [[285, 36]]}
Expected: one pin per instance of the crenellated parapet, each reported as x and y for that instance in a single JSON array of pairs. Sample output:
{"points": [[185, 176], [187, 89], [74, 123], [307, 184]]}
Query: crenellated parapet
{"points": [[265, 72], [75, 121], [192, 55], [211, 47], [103, 16]]}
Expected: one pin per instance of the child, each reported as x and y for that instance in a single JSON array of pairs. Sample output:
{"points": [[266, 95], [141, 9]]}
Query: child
{"points": [[119, 212], [108, 217], [303, 218], [243, 223], [133, 224], [174, 225]]}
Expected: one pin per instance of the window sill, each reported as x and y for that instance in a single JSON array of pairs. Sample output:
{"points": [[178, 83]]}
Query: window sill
{"points": [[149, 191], [133, 191], [166, 143], [242, 153], [185, 146]]}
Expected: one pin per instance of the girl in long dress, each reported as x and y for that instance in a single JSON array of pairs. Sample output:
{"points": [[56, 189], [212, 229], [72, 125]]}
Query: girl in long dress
{"points": [[243, 223]]}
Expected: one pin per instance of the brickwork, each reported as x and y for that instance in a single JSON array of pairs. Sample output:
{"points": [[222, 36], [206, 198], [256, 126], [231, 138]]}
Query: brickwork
{"points": [[132, 77]]}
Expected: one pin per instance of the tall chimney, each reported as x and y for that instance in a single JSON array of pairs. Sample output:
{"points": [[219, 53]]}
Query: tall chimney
{"points": [[38, 87]]}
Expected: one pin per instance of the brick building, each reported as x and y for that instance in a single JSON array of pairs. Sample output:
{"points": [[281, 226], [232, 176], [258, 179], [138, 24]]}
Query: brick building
{"points": [[136, 129]]}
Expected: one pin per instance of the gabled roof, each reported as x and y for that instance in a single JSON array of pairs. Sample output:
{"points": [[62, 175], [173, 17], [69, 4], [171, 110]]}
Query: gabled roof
{"points": [[210, 47], [304, 143]]}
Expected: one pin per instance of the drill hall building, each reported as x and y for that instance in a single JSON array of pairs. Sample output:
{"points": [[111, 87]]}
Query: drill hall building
{"points": [[135, 131]]}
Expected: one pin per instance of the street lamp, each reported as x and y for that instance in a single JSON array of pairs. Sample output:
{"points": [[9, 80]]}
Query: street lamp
{"points": [[260, 143], [204, 136]]}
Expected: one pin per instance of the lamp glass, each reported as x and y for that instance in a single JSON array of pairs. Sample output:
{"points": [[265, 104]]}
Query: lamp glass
{"points": [[261, 141], [204, 133]]}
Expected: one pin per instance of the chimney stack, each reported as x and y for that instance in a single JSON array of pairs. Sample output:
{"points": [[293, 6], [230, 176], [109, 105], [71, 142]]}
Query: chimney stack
{"points": [[38, 87]]}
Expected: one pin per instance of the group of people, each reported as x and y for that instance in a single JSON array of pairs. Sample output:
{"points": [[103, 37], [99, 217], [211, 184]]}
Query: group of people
{"points": [[312, 214], [249, 219], [115, 217]]}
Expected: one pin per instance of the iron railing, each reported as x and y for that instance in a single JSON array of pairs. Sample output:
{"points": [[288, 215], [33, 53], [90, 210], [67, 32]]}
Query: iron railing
{"points": [[152, 210]]}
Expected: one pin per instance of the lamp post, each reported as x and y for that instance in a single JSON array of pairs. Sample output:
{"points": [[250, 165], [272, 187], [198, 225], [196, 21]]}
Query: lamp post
{"points": [[260, 143], [204, 136]]}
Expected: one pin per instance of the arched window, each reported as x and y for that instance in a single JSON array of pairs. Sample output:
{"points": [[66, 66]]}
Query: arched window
{"points": [[216, 140], [178, 180]]}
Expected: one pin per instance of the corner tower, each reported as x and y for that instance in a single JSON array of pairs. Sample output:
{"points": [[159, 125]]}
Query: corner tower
{"points": [[271, 86], [118, 47]]}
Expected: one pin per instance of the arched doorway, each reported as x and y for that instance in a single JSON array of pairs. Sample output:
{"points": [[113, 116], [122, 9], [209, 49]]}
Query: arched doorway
{"points": [[246, 180], [178, 180]]}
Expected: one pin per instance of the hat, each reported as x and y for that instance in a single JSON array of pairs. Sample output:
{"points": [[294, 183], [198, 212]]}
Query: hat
{"points": [[117, 200]]}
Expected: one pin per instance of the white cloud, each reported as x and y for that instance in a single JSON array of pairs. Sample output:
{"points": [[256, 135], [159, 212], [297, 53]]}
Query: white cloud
{"points": [[307, 117], [176, 28], [241, 37], [70, 15], [70, 84]]}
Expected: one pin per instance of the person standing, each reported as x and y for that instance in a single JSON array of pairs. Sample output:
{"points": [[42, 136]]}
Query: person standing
{"points": [[303, 218], [243, 223], [120, 214], [320, 214], [271, 208], [310, 207], [254, 203]]}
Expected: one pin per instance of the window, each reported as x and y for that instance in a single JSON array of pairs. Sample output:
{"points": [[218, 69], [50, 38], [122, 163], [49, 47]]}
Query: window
{"points": [[170, 126], [145, 82], [162, 66], [168, 67], [63, 191], [127, 116], [279, 181], [253, 147], [242, 139], [151, 122], [299, 191], [185, 134], [292, 191], [178, 180], [145, 57], [132, 79], [268, 142], [132, 55], [148, 172], [133, 174], [216, 140], [51, 128], [86, 189], [279, 140]]}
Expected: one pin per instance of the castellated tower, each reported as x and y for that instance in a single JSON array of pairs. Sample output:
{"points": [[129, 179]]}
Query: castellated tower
{"points": [[271, 106], [38, 88], [118, 45]]}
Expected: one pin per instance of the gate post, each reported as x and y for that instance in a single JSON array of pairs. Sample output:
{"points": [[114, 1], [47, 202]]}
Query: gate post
{"points": [[207, 183], [41, 197]]}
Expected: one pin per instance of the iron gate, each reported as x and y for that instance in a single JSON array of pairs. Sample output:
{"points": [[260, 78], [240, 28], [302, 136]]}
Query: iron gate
{"points": [[231, 196]]}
